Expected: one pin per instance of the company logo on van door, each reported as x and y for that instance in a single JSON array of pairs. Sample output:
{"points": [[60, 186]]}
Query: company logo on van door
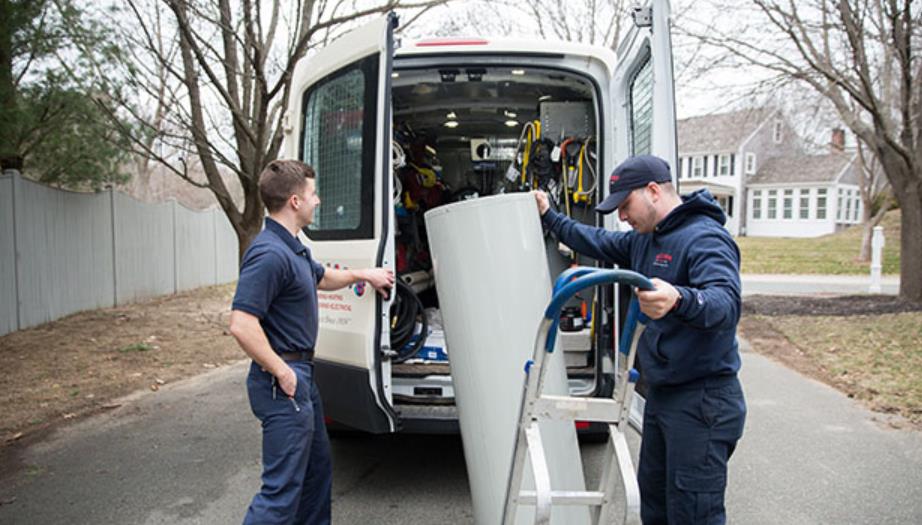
{"points": [[357, 288], [662, 260]]}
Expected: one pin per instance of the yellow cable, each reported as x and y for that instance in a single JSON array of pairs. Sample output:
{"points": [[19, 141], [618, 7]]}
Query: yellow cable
{"points": [[578, 195], [528, 139], [592, 320]]}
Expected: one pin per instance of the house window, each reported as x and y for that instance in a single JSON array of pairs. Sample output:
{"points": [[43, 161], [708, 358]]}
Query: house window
{"points": [[848, 206], [697, 169], [821, 203], [840, 205], [757, 204], [724, 165], [679, 171], [804, 204], [776, 132], [750, 163], [788, 203], [772, 204], [857, 210]]}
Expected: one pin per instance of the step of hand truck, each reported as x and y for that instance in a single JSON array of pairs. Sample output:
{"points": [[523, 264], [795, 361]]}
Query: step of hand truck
{"points": [[564, 497], [566, 408]]}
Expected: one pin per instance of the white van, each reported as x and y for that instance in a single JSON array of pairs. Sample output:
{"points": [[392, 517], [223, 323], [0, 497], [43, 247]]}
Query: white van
{"points": [[395, 130]]}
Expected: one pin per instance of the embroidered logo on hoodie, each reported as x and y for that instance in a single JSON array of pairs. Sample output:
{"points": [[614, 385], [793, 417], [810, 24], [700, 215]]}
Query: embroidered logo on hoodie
{"points": [[662, 260]]}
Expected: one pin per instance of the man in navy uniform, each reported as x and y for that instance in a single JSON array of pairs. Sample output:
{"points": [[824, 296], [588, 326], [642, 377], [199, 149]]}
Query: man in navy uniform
{"points": [[275, 319], [688, 353]]}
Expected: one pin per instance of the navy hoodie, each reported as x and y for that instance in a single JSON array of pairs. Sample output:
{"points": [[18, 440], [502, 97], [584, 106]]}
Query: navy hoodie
{"points": [[691, 250]]}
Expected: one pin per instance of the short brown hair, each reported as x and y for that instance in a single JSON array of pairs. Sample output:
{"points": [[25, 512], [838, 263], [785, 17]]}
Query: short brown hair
{"points": [[280, 180]]}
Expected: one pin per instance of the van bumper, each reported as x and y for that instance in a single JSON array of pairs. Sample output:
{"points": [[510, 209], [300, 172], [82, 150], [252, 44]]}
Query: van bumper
{"points": [[348, 398]]}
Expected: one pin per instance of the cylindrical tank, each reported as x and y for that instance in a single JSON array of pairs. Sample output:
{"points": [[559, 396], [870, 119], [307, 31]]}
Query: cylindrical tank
{"points": [[493, 284]]}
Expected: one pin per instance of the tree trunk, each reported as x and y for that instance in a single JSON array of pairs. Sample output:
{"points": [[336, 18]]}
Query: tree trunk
{"points": [[245, 235], [867, 230], [9, 156], [911, 244], [250, 222]]}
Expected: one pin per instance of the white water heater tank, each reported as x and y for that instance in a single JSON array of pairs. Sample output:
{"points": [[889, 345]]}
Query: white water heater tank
{"points": [[493, 284]]}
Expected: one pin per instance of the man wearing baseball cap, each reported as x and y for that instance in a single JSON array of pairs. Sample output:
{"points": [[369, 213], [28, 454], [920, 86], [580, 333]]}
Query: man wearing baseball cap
{"points": [[688, 354]]}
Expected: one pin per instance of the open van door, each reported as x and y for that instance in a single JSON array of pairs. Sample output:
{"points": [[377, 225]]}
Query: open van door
{"points": [[643, 89], [643, 96], [339, 122]]}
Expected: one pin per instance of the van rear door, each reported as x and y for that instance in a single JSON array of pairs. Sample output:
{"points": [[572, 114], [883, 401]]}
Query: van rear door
{"points": [[341, 107], [643, 90], [643, 95]]}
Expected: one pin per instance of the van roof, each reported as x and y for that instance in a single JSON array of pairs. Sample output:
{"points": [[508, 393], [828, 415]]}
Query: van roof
{"points": [[480, 45]]}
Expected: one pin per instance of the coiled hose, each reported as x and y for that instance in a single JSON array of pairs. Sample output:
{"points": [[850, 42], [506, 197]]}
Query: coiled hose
{"points": [[405, 311]]}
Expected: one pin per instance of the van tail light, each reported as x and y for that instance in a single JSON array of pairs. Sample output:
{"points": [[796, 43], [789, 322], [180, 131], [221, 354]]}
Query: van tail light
{"points": [[582, 425]]}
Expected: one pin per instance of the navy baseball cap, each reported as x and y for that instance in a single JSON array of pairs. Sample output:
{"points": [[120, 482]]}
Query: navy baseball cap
{"points": [[635, 172]]}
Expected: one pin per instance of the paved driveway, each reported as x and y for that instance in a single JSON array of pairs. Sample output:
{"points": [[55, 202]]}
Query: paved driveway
{"points": [[815, 284], [189, 454]]}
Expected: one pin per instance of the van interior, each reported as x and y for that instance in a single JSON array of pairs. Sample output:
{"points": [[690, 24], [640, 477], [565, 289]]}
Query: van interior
{"points": [[468, 132]]}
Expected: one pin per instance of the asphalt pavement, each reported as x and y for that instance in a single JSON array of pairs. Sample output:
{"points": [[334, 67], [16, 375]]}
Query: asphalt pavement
{"points": [[189, 454]]}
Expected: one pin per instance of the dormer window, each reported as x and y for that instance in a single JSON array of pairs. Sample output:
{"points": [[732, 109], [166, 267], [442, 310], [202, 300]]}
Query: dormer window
{"points": [[776, 131], [750, 164]]}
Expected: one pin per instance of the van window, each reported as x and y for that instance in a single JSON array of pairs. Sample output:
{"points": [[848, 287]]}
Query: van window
{"points": [[338, 116], [642, 109]]}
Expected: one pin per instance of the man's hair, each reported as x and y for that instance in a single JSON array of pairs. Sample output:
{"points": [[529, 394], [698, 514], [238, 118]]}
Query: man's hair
{"points": [[280, 180]]}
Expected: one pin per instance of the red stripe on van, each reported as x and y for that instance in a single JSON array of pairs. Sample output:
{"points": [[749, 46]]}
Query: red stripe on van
{"points": [[452, 42]]}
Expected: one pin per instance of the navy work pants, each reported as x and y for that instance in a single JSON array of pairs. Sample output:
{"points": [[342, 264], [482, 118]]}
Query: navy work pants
{"points": [[689, 435], [297, 469]]}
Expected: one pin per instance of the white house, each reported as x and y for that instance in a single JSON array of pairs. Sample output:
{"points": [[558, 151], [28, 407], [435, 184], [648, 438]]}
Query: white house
{"points": [[803, 196], [756, 166]]}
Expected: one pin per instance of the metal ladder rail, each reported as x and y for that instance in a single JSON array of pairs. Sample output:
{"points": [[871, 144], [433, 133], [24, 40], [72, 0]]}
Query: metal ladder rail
{"points": [[535, 407]]}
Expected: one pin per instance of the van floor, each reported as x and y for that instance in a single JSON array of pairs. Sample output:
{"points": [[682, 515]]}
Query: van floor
{"points": [[420, 369], [428, 369]]}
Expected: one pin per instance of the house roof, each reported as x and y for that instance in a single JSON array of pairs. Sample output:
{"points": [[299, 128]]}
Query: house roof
{"points": [[691, 186], [720, 132], [800, 168]]}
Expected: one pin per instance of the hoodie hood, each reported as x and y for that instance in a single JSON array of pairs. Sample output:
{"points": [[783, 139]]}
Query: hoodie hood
{"points": [[700, 202]]}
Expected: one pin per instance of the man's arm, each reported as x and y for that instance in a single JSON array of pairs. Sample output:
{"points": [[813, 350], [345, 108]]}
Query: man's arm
{"points": [[252, 339], [381, 279], [712, 298], [598, 243]]}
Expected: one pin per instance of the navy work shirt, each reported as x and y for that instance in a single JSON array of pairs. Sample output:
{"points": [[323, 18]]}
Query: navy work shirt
{"points": [[278, 284]]}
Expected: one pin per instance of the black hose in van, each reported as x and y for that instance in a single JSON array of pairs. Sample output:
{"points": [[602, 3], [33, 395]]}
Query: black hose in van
{"points": [[405, 311]]}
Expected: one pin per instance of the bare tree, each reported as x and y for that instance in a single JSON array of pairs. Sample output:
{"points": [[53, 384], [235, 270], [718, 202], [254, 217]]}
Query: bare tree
{"points": [[875, 197], [217, 77], [862, 56], [594, 22]]}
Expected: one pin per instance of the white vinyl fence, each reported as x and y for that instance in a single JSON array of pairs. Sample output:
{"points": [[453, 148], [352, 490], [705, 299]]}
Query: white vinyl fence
{"points": [[62, 252]]}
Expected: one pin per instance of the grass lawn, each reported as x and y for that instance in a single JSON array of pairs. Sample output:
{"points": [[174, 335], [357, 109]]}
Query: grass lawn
{"points": [[875, 358], [829, 254]]}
